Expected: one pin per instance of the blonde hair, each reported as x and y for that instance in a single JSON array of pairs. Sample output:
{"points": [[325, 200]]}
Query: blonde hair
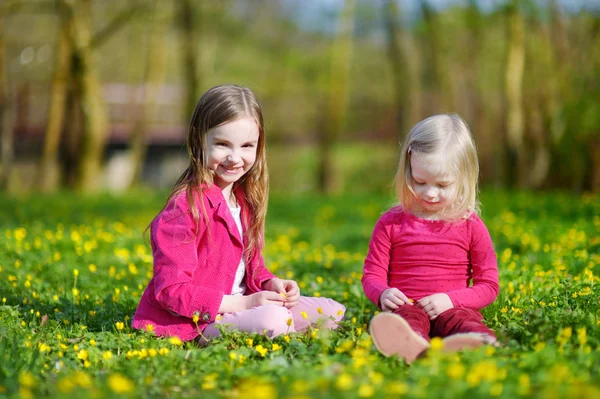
{"points": [[220, 105], [449, 136]]}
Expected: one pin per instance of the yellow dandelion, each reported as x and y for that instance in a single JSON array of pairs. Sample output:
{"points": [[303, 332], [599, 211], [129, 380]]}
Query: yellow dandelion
{"points": [[365, 391], [175, 341], [261, 350], [437, 344], [304, 315], [275, 347], [343, 382], [107, 355], [320, 310], [149, 327], [289, 322], [120, 384], [26, 379], [119, 325]]}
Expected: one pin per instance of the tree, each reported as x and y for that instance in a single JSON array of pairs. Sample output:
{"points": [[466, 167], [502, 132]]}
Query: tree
{"points": [[154, 74], [189, 54], [6, 128], [405, 68], [337, 97], [515, 116], [49, 172], [439, 59]]}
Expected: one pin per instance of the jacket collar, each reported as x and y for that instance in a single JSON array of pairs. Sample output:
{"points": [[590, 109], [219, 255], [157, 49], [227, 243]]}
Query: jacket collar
{"points": [[217, 202]]}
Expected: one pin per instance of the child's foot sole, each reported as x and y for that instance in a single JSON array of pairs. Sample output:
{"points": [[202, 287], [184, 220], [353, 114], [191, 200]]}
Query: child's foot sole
{"points": [[392, 335], [459, 342]]}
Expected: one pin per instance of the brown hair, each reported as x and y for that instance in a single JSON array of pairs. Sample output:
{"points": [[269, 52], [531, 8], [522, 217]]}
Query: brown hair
{"points": [[217, 106]]}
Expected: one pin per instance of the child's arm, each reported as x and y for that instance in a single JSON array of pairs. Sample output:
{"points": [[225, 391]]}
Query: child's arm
{"points": [[376, 267], [485, 270]]}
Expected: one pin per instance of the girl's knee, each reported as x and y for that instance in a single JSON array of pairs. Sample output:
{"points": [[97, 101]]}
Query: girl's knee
{"points": [[273, 321]]}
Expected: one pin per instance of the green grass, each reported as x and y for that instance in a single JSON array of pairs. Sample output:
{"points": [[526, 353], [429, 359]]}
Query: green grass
{"points": [[72, 270]]}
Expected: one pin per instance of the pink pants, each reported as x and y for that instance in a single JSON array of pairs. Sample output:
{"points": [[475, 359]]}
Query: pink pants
{"points": [[278, 320], [452, 321]]}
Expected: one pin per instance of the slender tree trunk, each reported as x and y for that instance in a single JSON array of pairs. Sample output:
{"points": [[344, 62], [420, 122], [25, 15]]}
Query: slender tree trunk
{"points": [[337, 98], [95, 124], [441, 67], [515, 116], [402, 94], [189, 54], [6, 128], [49, 173], [154, 74]]}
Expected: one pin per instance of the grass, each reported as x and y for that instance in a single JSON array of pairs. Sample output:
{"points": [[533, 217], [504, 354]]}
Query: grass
{"points": [[72, 270]]}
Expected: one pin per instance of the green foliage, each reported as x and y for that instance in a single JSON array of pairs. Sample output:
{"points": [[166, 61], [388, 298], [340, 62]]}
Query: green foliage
{"points": [[72, 270]]}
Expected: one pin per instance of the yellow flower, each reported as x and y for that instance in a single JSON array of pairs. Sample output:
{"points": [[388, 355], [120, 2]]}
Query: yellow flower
{"points": [[175, 341], [320, 310], [304, 315], [289, 322], [343, 382], [82, 355], [275, 347], [195, 318], [365, 391], [149, 327], [261, 350], [120, 384], [249, 342], [26, 379], [107, 355], [119, 325], [455, 371], [92, 342], [437, 343], [287, 338]]}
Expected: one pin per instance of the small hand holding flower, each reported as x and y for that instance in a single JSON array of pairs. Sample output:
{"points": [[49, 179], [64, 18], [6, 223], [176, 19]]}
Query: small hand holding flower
{"points": [[288, 288], [435, 304], [392, 298]]}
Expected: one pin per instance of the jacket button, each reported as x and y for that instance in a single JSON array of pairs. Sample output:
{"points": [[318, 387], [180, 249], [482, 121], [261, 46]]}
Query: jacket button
{"points": [[206, 317]]}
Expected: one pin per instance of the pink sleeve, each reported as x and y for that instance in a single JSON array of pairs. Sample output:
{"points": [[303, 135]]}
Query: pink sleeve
{"points": [[377, 263], [174, 247], [261, 275], [485, 270]]}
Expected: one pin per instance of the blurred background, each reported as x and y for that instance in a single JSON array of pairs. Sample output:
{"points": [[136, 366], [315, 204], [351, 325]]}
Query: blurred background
{"points": [[96, 94]]}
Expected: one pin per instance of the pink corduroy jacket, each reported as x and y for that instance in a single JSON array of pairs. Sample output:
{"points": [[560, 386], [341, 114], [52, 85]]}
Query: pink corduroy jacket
{"points": [[194, 267]]}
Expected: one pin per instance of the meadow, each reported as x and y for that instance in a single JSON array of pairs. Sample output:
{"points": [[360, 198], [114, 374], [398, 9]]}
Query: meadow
{"points": [[72, 270]]}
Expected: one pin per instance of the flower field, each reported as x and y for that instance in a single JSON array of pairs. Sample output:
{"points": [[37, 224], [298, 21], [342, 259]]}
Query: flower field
{"points": [[72, 270]]}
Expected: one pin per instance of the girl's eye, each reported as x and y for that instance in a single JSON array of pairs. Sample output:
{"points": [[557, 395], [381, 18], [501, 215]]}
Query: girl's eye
{"points": [[220, 144], [419, 183]]}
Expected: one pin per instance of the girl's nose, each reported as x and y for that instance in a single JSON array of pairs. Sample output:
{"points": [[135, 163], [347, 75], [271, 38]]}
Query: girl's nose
{"points": [[431, 192], [233, 157]]}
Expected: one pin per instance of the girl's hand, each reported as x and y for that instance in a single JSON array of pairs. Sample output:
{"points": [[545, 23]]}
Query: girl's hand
{"points": [[435, 304], [264, 298], [392, 298], [288, 288]]}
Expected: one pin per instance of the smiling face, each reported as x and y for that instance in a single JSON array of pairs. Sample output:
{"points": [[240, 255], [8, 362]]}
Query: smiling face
{"points": [[432, 183], [231, 151]]}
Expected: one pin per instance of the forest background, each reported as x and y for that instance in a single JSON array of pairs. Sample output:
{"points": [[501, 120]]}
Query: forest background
{"points": [[97, 94]]}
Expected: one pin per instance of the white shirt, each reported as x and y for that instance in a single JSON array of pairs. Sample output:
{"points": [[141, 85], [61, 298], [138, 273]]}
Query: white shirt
{"points": [[239, 285]]}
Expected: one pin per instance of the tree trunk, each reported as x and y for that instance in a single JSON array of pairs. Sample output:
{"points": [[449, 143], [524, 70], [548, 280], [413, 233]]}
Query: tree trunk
{"points": [[95, 125], [515, 120], [49, 172], [6, 128], [337, 98], [441, 67], [189, 54], [154, 74]]}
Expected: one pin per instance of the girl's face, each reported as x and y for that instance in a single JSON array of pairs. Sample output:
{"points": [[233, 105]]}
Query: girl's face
{"points": [[432, 183], [231, 150]]}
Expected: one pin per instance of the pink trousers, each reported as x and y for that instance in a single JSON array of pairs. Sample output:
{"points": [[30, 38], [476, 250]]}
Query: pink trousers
{"points": [[277, 320]]}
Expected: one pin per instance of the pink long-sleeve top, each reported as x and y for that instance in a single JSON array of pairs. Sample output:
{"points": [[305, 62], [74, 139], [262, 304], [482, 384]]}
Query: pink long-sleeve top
{"points": [[423, 257], [194, 266]]}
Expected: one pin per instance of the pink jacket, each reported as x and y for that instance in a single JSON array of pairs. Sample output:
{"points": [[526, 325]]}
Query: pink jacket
{"points": [[194, 269]]}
